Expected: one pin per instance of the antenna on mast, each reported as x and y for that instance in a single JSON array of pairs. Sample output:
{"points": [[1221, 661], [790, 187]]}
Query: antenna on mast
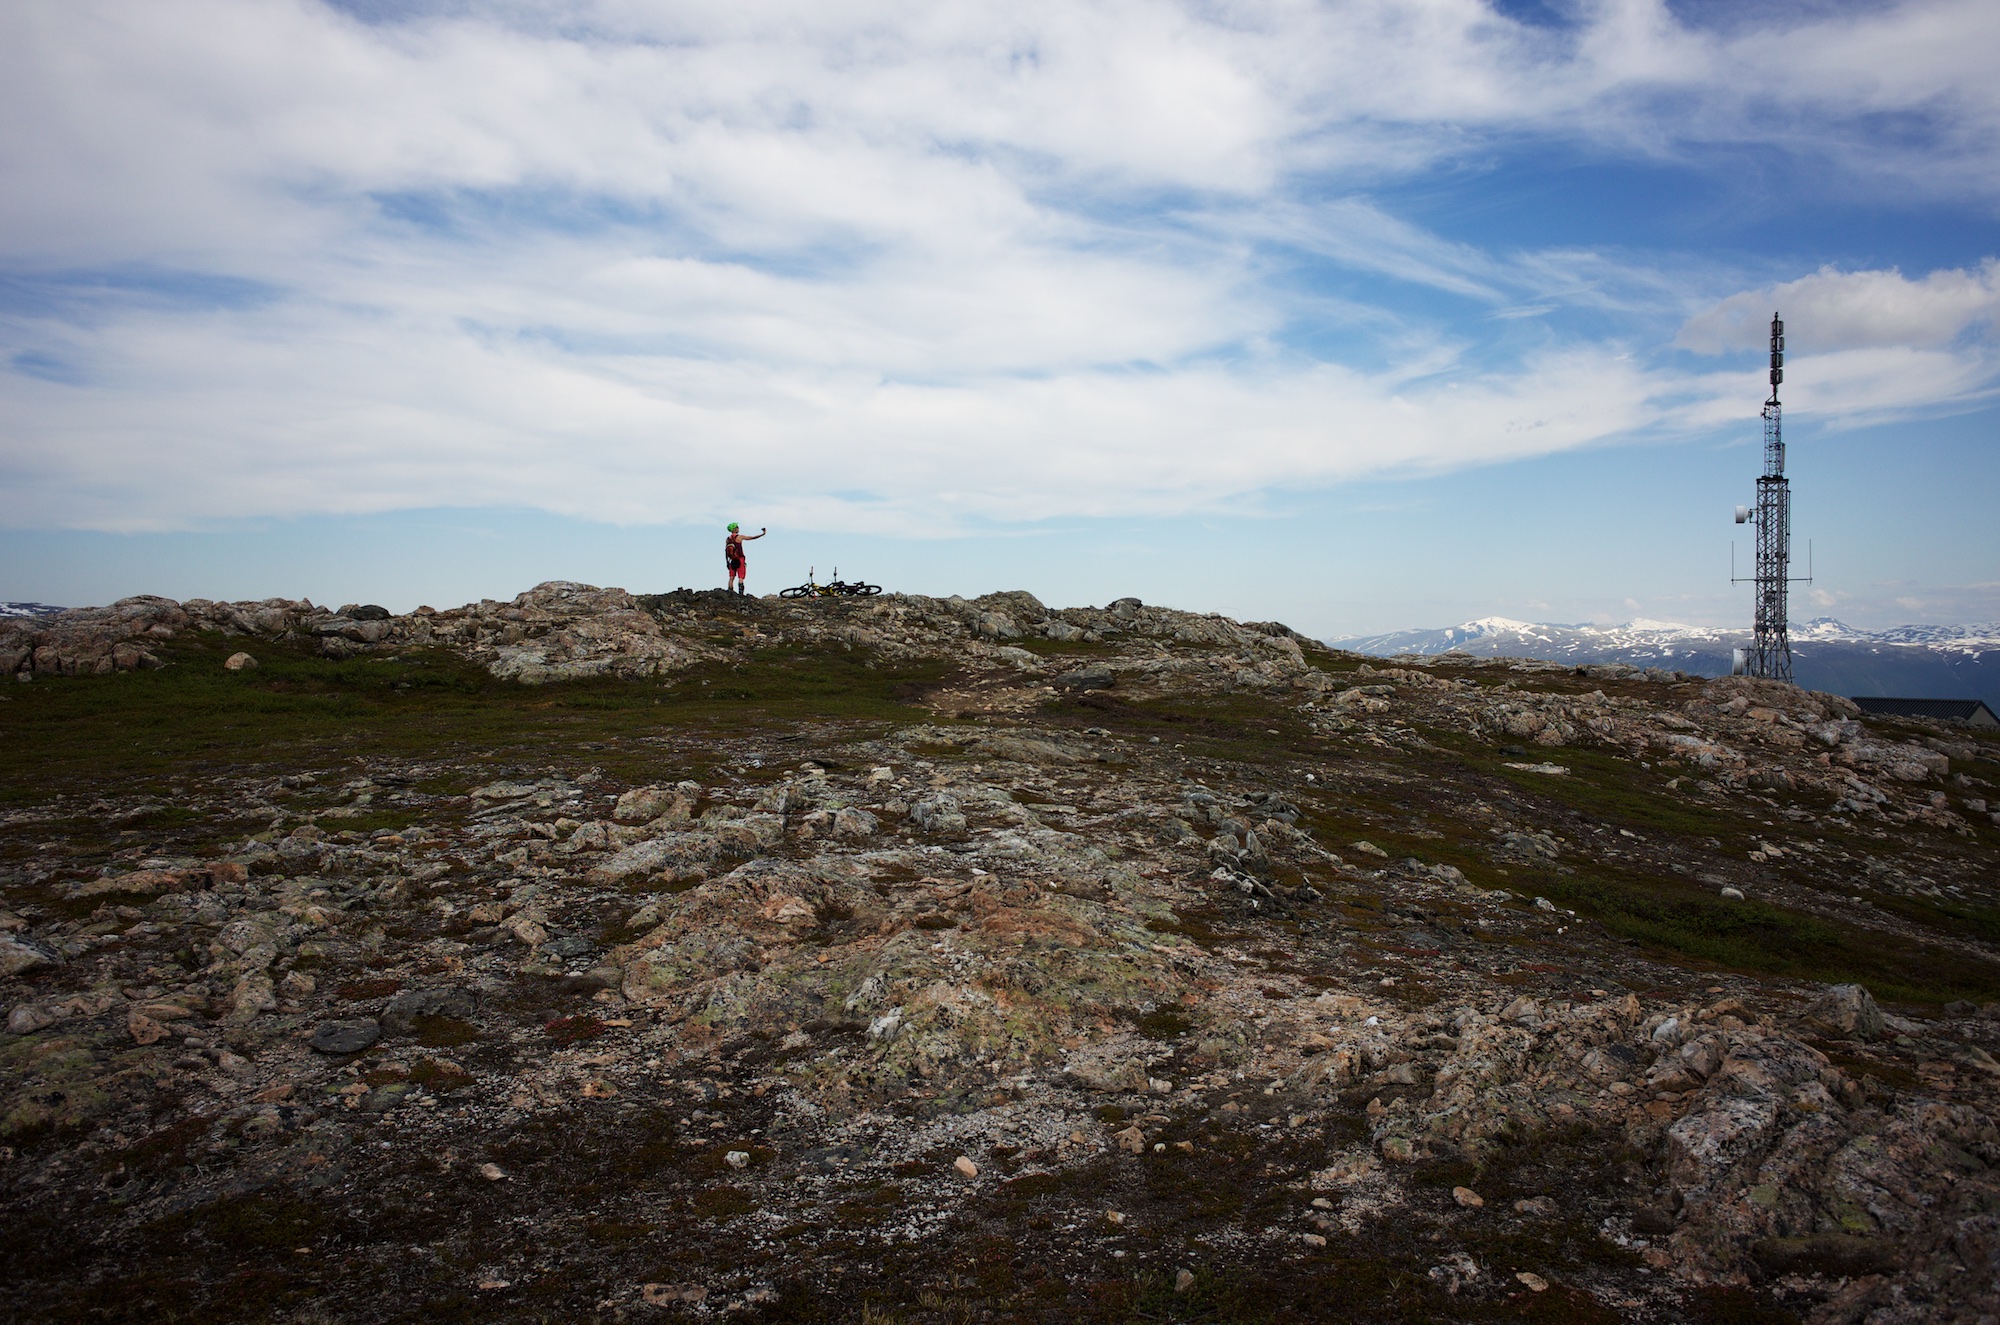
{"points": [[1770, 651]]}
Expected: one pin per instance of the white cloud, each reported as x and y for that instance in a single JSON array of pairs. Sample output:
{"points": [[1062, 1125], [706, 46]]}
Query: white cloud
{"points": [[1847, 310], [937, 262], [247, 415]]}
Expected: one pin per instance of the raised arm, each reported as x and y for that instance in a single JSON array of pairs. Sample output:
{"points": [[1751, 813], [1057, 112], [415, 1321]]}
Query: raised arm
{"points": [[751, 538]]}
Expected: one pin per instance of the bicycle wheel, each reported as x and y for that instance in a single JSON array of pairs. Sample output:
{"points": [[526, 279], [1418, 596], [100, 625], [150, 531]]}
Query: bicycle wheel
{"points": [[797, 591], [864, 590]]}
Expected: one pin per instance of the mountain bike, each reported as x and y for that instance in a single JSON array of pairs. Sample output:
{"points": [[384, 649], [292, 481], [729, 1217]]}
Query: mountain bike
{"points": [[836, 588]]}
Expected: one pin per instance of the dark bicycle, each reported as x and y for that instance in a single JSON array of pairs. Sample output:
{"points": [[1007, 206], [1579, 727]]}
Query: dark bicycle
{"points": [[836, 588]]}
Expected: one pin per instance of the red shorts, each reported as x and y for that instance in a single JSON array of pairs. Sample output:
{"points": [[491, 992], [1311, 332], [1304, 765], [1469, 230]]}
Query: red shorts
{"points": [[737, 568]]}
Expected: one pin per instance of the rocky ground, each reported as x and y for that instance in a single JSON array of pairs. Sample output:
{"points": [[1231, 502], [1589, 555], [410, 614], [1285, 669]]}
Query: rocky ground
{"points": [[600, 956]]}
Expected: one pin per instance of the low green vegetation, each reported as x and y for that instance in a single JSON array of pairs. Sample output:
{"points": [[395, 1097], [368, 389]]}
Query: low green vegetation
{"points": [[299, 710], [1752, 935]]}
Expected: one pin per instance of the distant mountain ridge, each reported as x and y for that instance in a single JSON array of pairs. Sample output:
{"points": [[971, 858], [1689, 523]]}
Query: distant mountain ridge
{"points": [[27, 609], [1915, 661]]}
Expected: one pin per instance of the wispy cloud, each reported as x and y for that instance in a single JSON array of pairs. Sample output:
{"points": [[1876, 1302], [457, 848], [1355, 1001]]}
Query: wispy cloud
{"points": [[638, 261]]}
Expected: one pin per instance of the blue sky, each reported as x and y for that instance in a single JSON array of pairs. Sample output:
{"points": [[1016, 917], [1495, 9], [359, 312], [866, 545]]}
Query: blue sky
{"points": [[1359, 315]]}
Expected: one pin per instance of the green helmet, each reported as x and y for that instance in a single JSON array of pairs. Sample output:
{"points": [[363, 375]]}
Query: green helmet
{"points": [[732, 526]]}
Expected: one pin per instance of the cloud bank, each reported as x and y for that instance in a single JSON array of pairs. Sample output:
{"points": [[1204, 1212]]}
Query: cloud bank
{"points": [[940, 264], [1844, 310]]}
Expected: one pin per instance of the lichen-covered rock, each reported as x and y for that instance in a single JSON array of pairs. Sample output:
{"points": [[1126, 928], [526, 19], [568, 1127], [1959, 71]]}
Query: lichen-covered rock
{"points": [[1849, 1011], [656, 854], [746, 949], [19, 955]]}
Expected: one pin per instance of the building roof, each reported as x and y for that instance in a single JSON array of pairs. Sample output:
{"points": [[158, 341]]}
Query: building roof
{"points": [[1971, 711]]}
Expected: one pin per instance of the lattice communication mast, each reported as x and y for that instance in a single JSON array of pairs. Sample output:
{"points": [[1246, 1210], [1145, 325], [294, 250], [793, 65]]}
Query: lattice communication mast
{"points": [[1770, 651]]}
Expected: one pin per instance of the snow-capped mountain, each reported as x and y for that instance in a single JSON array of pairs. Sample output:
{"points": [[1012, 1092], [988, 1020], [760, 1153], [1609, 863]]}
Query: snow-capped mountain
{"points": [[27, 609], [1931, 662]]}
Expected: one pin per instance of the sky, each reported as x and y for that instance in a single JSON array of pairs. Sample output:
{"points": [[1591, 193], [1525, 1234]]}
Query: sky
{"points": [[1361, 315]]}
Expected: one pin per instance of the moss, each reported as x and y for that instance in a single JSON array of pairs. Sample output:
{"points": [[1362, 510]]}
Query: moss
{"points": [[140, 729], [161, 1151], [724, 1203], [1719, 1305], [59, 1089], [248, 1225], [615, 1233], [566, 1031], [1759, 936], [439, 1077], [1959, 918], [436, 1032], [1163, 1024], [1856, 1065]]}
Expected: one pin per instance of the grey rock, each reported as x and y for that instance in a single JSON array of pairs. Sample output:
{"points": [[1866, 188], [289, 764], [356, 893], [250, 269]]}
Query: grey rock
{"points": [[1609, 1062], [652, 856], [254, 993], [400, 1015], [1024, 750], [1848, 1010], [1019, 658], [1086, 678], [1702, 1147], [27, 1018], [345, 1037], [940, 813], [644, 804], [852, 822], [19, 955]]}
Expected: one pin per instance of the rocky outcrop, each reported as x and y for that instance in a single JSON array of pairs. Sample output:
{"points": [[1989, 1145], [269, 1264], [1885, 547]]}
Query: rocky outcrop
{"points": [[1268, 951]]}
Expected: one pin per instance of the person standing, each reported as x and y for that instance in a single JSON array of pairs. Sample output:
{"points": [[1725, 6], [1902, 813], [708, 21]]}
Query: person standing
{"points": [[733, 559]]}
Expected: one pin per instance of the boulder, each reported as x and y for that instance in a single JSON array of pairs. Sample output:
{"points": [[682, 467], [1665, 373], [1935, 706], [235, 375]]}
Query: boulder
{"points": [[1848, 1011], [143, 883], [254, 993], [941, 813], [345, 1037], [399, 1017], [677, 849], [852, 822], [19, 955], [643, 804], [27, 1018]]}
